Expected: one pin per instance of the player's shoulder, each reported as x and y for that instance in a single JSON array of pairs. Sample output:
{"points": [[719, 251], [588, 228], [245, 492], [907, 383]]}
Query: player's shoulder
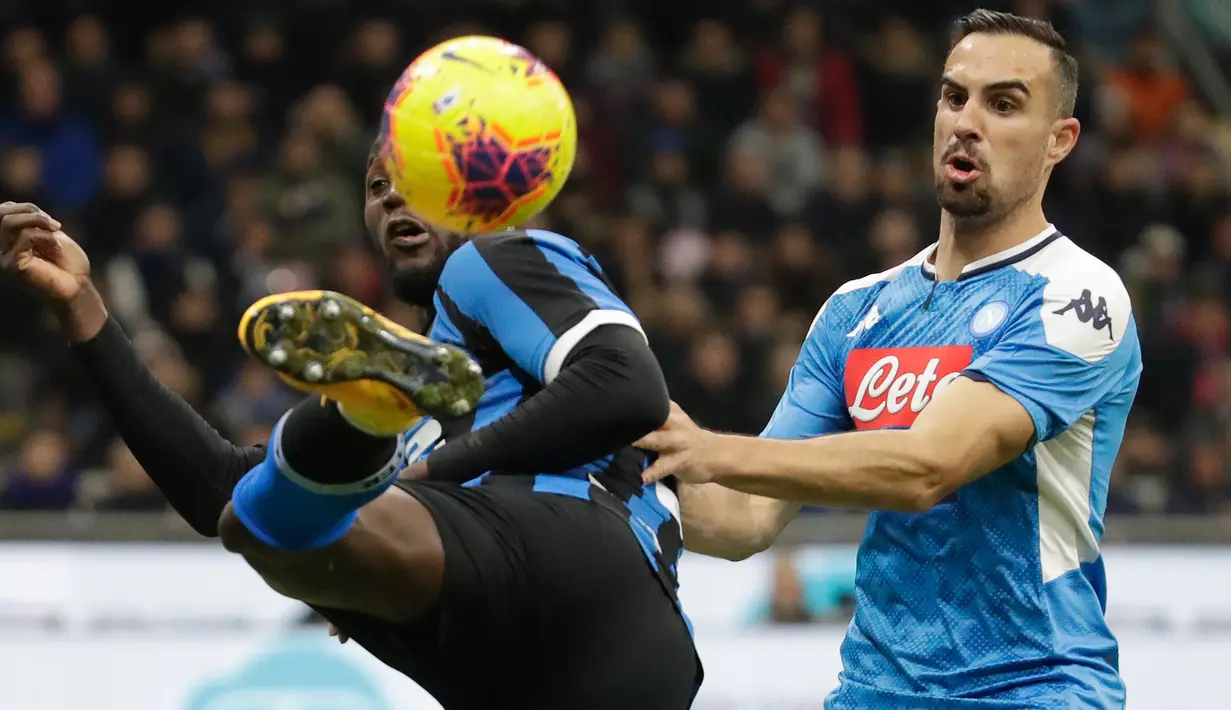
{"points": [[512, 247], [847, 304], [511, 243], [1082, 302]]}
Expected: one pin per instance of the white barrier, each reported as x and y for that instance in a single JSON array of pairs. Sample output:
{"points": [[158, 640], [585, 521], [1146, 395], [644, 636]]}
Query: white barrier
{"points": [[191, 628]]}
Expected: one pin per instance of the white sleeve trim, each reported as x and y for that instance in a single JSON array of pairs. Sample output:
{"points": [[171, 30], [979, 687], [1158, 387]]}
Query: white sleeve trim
{"points": [[568, 340]]}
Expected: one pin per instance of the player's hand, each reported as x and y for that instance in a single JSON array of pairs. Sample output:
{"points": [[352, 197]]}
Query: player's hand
{"points": [[37, 253], [682, 448], [47, 261], [338, 634]]}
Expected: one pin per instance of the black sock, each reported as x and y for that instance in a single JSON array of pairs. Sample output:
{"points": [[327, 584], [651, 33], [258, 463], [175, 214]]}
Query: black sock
{"points": [[320, 445]]}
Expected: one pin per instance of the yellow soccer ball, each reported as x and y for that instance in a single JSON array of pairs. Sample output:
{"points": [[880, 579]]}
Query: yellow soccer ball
{"points": [[479, 135]]}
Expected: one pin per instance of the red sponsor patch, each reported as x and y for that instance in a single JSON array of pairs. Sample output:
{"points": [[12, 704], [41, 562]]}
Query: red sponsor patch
{"points": [[888, 387]]}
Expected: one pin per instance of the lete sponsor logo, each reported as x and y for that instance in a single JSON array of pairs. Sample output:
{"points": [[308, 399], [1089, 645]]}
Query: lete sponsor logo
{"points": [[888, 387]]}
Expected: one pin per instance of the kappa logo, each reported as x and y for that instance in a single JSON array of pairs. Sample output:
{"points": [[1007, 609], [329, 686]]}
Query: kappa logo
{"points": [[872, 318], [888, 387], [1090, 311]]}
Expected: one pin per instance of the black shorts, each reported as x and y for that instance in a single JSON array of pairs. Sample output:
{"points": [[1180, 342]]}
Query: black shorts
{"points": [[548, 603]]}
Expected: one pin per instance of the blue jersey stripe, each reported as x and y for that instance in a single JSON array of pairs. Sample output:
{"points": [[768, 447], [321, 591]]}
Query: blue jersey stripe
{"points": [[507, 298]]}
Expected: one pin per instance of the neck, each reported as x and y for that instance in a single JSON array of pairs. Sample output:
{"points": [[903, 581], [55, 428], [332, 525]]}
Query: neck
{"points": [[963, 241]]}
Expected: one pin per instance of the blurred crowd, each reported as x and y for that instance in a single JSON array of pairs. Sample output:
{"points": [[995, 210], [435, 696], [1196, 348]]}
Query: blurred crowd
{"points": [[735, 168]]}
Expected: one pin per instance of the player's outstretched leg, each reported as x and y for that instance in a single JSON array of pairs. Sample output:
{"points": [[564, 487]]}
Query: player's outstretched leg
{"points": [[296, 519], [382, 375]]}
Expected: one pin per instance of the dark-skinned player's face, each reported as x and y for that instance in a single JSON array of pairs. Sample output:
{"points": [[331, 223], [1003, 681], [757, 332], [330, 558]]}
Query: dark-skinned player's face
{"points": [[414, 251], [997, 131]]}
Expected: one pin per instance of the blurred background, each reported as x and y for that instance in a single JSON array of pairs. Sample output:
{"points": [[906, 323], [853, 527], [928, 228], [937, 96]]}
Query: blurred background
{"points": [[738, 162]]}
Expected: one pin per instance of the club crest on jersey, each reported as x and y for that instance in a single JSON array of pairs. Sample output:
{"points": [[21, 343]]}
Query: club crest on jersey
{"points": [[888, 387], [988, 318]]}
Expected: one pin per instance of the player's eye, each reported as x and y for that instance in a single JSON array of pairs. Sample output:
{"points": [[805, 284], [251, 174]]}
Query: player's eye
{"points": [[953, 99], [1004, 105], [377, 185]]}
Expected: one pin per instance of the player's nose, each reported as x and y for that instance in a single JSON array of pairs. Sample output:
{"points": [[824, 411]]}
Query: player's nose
{"points": [[968, 127], [392, 198]]}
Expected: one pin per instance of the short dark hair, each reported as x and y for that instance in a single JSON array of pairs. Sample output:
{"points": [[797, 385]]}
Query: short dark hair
{"points": [[1002, 23]]}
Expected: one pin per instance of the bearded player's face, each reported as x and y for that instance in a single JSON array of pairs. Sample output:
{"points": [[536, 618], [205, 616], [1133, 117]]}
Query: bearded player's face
{"points": [[414, 252], [994, 126]]}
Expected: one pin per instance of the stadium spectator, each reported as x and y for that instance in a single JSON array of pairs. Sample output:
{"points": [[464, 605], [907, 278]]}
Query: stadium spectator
{"points": [[733, 170], [43, 478], [71, 160], [127, 488], [818, 76]]}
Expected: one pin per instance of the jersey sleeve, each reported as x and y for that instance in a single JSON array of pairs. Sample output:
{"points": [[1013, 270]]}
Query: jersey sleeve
{"points": [[537, 297], [813, 404], [1063, 350]]}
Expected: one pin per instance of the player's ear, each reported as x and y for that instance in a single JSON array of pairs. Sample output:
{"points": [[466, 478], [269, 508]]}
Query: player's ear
{"points": [[1063, 138]]}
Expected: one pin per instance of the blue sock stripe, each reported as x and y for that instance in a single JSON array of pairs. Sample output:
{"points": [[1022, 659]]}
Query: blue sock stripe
{"points": [[272, 501]]}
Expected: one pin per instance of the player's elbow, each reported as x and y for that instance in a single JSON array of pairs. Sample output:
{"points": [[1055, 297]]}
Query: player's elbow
{"points": [[637, 407], [203, 527], [936, 476], [619, 369], [640, 400], [655, 408], [923, 497], [759, 542], [649, 404], [734, 543], [203, 522]]}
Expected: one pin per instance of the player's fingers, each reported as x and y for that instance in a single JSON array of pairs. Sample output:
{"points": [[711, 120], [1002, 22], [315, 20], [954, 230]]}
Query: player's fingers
{"points": [[8, 208], [661, 468], [26, 220], [653, 473], [12, 225], [40, 241], [46, 243], [652, 441]]}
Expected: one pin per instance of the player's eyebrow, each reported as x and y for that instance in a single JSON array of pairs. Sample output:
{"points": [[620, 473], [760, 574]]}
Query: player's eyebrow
{"points": [[1003, 85]]}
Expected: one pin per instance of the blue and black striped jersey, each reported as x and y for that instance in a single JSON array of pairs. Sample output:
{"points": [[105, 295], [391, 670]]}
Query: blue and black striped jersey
{"points": [[520, 301]]}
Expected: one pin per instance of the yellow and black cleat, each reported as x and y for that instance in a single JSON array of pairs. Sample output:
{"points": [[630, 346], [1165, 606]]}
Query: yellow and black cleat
{"points": [[383, 376]]}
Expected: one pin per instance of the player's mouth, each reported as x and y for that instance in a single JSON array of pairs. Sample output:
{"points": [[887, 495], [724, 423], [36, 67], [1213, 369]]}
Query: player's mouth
{"points": [[406, 233], [962, 169]]}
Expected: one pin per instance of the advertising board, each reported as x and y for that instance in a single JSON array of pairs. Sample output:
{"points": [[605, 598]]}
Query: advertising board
{"points": [[189, 627]]}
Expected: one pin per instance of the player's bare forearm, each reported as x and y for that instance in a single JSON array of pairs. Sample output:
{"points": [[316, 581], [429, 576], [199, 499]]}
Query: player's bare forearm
{"points": [[733, 525], [968, 431], [887, 470], [388, 564]]}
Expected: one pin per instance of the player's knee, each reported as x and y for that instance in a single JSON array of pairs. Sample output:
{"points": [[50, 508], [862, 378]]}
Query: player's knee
{"points": [[234, 535], [290, 576]]}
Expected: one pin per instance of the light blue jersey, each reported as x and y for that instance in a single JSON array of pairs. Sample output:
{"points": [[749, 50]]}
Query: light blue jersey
{"points": [[995, 598]]}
